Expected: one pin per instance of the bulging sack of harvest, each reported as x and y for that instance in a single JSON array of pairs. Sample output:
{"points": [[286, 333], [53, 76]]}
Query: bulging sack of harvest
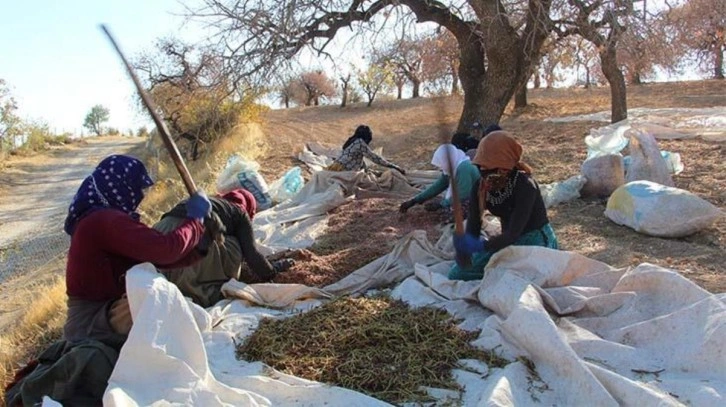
{"points": [[604, 174], [647, 162], [659, 210]]}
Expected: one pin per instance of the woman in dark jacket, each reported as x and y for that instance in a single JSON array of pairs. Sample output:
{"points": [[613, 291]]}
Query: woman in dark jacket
{"points": [[507, 190]]}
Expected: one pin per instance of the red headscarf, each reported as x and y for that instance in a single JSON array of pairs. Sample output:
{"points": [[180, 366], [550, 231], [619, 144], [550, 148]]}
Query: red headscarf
{"points": [[244, 200]]}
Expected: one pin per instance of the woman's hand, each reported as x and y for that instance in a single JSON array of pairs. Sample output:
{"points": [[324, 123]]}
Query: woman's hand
{"points": [[198, 206], [467, 244], [406, 205]]}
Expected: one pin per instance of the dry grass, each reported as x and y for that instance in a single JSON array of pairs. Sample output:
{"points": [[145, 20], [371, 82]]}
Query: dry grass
{"points": [[377, 346], [39, 321], [168, 190]]}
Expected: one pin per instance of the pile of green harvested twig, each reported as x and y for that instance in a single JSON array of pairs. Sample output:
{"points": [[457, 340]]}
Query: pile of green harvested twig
{"points": [[377, 346]]}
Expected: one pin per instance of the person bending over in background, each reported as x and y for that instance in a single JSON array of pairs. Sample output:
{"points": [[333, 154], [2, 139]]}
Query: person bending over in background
{"points": [[508, 190], [355, 148], [465, 143], [202, 281], [107, 239], [465, 175]]}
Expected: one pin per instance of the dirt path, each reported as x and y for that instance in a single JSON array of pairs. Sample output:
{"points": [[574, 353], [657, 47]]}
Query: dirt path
{"points": [[35, 195]]}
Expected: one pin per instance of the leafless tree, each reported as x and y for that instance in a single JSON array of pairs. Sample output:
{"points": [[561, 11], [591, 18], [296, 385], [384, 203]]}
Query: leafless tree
{"points": [[498, 41], [603, 22], [701, 26], [345, 80]]}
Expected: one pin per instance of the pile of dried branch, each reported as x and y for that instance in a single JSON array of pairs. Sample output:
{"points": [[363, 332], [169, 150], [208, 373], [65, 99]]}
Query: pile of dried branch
{"points": [[377, 346]]}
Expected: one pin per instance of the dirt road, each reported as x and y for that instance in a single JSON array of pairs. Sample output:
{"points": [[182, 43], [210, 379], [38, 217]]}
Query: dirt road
{"points": [[35, 195]]}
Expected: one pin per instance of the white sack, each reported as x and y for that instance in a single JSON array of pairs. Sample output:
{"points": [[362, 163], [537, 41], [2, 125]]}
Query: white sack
{"points": [[603, 174], [658, 210], [647, 162], [563, 191]]}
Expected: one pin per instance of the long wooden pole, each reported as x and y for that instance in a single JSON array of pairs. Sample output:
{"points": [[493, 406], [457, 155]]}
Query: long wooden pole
{"points": [[160, 125]]}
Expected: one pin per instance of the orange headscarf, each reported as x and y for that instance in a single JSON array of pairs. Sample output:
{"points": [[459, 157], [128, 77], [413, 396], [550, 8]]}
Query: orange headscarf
{"points": [[498, 151]]}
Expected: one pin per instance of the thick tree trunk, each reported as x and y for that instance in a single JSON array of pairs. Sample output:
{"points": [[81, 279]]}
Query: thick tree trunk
{"points": [[488, 91], [718, 66], [618, 93], [520, 98], [416, 88]]}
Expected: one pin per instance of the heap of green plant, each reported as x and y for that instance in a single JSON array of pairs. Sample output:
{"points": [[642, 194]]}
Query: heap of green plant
{"points": [[377, 346]]}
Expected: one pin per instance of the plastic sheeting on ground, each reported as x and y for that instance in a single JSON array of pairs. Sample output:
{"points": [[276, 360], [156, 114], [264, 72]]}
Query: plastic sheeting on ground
{"points": [[596, 335], [295, 223], [667, 123]]}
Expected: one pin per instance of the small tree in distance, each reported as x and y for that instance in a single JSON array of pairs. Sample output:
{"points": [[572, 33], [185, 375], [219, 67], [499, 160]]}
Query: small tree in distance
{"points": [[375, 79], [95, 119]]}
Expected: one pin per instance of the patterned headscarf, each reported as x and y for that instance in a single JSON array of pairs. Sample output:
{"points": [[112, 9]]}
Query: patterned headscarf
{"points": [[117, 182], [500, 152], [244, 200]]}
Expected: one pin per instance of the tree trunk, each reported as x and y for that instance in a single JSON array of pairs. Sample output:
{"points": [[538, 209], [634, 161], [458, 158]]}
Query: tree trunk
{"points": [[416, 88], [520, 98], [454, 80], [718, 66], [317, 100], [587, 77], [399, 87], [537, 79], [370, 100], [287, 102], [635, 78], [487, 92], [344, 101], [618, 94]]}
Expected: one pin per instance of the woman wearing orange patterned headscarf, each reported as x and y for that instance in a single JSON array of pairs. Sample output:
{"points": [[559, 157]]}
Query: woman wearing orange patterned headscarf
{"points": [[507, 190]]}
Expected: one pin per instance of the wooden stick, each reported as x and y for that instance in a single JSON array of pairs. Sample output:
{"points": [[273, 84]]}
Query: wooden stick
{"points": [[160, 125]]}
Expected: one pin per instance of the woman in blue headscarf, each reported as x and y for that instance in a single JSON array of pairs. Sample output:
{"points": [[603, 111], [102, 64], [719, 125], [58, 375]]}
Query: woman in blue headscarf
{"points": [[107, 239]]}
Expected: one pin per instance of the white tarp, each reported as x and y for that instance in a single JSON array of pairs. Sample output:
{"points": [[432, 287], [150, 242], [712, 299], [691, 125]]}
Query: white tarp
{"points": [[295, 223], [596, 335], [667, 123]]}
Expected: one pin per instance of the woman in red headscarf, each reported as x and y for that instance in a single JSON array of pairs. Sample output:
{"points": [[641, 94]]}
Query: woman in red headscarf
{"points": [[507, 190], [202, 281]]}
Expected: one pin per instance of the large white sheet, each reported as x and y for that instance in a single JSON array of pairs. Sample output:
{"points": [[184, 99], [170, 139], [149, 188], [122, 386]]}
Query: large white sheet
{"points": [[597, 335]]}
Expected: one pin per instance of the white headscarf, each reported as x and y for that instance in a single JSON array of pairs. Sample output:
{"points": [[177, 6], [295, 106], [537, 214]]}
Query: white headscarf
{"points": [[440, 160]]}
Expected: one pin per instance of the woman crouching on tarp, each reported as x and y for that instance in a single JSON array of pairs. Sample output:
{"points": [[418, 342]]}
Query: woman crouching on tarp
{"points": [[355, 149], [465, 175], [508, 190]]}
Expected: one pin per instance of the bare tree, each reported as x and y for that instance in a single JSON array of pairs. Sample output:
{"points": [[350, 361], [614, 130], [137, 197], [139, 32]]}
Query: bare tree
{"points": [[441, 61], [345, 80], [557, 54], [701, 25], [192, 91], [603, 22], [498, 41], [289, 91], [316, 86]]}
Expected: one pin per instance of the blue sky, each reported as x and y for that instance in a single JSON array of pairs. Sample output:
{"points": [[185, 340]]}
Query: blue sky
{"points": [[58, 63]]}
